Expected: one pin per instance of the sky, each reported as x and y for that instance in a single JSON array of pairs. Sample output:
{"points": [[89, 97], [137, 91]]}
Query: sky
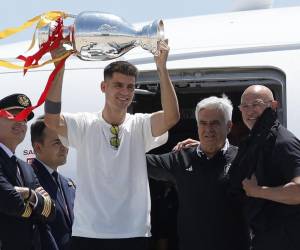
{"points": [[16, 12]]}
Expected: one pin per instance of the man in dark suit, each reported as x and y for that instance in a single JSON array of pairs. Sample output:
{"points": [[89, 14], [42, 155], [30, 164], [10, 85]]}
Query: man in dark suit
{"points": [[25, 206], [50, 154]]}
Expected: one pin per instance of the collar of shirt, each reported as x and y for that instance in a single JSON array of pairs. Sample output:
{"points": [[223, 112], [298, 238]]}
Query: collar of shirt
{"points": [[100, 115], [7, 150], [50, 170], [200, 153]]}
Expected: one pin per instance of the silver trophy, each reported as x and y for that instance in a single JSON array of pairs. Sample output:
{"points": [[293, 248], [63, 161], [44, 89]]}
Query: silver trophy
{"points": [[102, 36]]}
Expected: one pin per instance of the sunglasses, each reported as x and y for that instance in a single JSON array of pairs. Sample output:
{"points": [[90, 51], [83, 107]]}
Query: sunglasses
{"points": [[115, 140]]}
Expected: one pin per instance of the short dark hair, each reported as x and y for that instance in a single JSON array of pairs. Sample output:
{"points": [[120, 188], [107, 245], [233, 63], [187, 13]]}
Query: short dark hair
{"points": [[122, 67], [37, 130]]}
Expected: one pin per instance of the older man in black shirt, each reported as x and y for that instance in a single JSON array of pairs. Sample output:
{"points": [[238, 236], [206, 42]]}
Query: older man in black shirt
{"points": [[266, 174], [208, 218]]}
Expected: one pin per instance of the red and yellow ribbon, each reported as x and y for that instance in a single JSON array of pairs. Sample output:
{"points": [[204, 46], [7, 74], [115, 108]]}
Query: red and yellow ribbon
{"points": [[25, 112], [41, 20], [14, 66], [53, 42]]}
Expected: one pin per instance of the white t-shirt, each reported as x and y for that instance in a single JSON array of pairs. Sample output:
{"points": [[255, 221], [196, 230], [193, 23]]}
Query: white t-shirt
{"points": [[112, 195]]}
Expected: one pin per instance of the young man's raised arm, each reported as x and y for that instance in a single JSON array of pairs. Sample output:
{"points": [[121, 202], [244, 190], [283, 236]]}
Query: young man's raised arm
{"points": [[162, 121], [53, 119]]}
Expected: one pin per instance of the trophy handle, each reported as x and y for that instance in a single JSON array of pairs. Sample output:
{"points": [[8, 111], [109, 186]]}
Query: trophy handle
{"points": [[150, 34]]}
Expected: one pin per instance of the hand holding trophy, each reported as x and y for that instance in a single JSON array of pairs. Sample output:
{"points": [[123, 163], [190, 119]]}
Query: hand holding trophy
{"points": [[94, 36], [102, 36]]}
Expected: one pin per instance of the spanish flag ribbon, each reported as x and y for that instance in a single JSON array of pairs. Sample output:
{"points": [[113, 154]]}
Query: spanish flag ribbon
{"points": [[14, 66], [25, 112], [44, 20], [5, 113], [41, 20], [53, 42]]}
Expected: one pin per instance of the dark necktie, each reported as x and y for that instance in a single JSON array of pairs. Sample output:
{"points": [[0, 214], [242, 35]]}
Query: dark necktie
{"points": [[17, 169], [60, 192]]}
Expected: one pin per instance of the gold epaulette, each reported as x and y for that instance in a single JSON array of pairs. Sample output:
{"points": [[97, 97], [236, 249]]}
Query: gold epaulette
{"points": [[28, 211], [47, 206]]}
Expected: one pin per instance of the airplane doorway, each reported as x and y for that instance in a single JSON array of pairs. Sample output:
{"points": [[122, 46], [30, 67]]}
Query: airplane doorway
{"points": [[191, 87]]}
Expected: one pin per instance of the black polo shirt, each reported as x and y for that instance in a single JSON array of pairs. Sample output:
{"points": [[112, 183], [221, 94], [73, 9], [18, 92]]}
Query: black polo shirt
{"points": [[207, 217]]}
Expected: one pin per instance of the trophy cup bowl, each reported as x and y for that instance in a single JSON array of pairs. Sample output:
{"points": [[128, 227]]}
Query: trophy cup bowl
{"points": [[102, 36]]}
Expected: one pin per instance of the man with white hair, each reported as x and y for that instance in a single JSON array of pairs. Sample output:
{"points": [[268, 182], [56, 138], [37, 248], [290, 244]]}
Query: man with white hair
{"points": [[208, 218]]}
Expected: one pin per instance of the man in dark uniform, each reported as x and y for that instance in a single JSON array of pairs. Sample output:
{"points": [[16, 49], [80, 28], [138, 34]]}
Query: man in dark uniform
{"points": [[207, 217], [266, 174], [50, 154], [25, 206]]}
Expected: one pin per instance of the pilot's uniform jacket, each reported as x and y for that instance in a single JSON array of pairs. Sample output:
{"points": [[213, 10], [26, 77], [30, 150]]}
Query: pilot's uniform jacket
{"points": [[22, 226]]}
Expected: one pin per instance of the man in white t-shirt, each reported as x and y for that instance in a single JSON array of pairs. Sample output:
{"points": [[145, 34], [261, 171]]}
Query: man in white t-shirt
{"points": [[112, 205]]}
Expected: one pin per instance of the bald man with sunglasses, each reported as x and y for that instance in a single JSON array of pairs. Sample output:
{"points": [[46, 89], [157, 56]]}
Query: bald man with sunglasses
{"points": [[112, 204]]}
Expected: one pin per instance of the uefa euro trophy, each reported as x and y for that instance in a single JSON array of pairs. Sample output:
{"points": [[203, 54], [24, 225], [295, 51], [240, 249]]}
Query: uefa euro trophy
{"points": [[102, 36]]}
